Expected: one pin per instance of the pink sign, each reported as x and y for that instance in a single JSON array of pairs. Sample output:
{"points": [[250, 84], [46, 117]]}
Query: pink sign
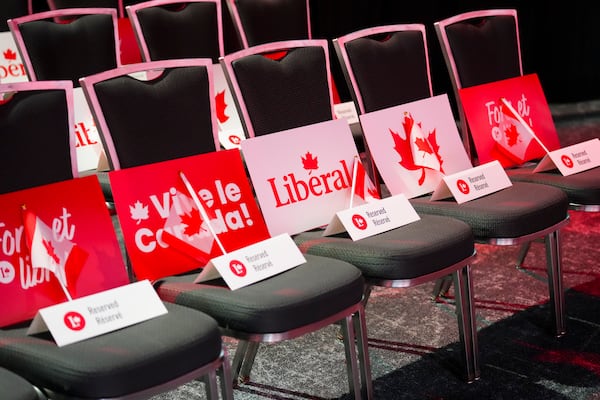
{"points": [[52, 235], [163, 229], [302, 176], [497, 135], [415, 144]]}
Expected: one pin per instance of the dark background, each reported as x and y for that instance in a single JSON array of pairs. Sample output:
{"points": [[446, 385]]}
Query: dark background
{"points": [[561, 43]]}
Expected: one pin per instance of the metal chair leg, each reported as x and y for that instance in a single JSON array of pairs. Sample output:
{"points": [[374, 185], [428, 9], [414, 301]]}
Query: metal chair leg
{"points": [[351, 357], [555, 282], [466, 322], [360, 328]]}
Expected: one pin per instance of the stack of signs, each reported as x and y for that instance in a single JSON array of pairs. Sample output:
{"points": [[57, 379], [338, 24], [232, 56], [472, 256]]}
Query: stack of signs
{"points": [[418, 150], [183, 214], [497, 132], [59, 244], [303, 178]]}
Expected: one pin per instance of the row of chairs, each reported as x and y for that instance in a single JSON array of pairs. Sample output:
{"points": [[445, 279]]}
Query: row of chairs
{"points": [[246, 67]]}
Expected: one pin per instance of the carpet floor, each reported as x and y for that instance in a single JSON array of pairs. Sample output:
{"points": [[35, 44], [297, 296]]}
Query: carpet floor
{"points": [[413, 341]]}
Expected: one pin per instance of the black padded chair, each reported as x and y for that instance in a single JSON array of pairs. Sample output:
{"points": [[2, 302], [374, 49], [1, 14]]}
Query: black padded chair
{"points": [[482, 47], [264, 21], [43, 138], [53, 50], [293, 90], [139, 361], [13, 387], [171, 29], [388, 66], [285, 306]]}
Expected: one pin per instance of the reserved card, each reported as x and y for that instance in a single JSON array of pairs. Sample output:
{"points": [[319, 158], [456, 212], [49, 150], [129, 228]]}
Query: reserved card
{"points": [[372, 218], [99, 313], [346, 110], [572, 159], [254, 263], [473, 183]]}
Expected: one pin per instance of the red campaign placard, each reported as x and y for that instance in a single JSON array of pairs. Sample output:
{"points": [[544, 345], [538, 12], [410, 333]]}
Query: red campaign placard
{"points": [[498, 136], [70, 223], [164, 231]]}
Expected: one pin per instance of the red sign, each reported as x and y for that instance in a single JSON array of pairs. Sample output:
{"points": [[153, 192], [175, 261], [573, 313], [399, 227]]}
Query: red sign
{"points": [[75, 213], [163, 228], [496, 133]]}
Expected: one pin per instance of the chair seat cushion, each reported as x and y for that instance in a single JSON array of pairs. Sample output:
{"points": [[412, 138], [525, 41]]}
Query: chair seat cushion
{"points": [[413, 250], [13, 387], [581, 188], [519, 210], [306, 294], [125, 361]]}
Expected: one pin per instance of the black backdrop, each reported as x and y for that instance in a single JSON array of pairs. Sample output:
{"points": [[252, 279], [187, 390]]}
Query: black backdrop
{"points": [[561, 43]]}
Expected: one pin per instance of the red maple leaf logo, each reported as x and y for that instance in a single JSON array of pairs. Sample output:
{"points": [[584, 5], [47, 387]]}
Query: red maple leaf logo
{"points": [[193, 222], [50, 251], [10, 55], [221, 107], [512, 134], [403, 147], [309, 162]]}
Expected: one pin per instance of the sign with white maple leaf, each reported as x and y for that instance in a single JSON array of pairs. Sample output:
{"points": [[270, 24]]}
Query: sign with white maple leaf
{"points": [[163, 229], [415, 144], [69, 242], [497, 135]]}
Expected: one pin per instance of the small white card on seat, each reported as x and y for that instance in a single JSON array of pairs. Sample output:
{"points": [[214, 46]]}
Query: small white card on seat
{"points": [[372, 218], [99, 313], [472, 183], [254, 263], [572, 159]]}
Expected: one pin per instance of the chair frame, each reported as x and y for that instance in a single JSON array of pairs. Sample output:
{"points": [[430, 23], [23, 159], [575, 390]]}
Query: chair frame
{"points": [[133, 9], [239, 26], [550, 234], [14, 26], [228, 60], [88, 83]]}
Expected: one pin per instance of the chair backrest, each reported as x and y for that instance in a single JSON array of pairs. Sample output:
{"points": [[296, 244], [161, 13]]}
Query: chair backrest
{"points": [[169, 107], [171, 29], [479, 47], [281, 85], [54, 50], [385, 66], [265, 21], [37, 139], [61, 4]]}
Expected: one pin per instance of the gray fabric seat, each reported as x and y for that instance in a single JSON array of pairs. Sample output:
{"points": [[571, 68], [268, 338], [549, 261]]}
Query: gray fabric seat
{"points": [[14, 387], [118, 363], [302, 296]]}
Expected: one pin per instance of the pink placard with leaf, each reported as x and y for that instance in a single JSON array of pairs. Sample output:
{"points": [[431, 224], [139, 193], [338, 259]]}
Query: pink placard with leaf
{"points": [[163, 229], [497, 135], [415, 144], [302, 176], [58, 241]]}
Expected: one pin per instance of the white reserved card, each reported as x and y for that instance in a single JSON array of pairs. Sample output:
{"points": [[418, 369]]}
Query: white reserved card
{"points": [[372, 218], [99, 313], [254, 263], [231, 139], [346, 110], [572, 159], [472, 183]]}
